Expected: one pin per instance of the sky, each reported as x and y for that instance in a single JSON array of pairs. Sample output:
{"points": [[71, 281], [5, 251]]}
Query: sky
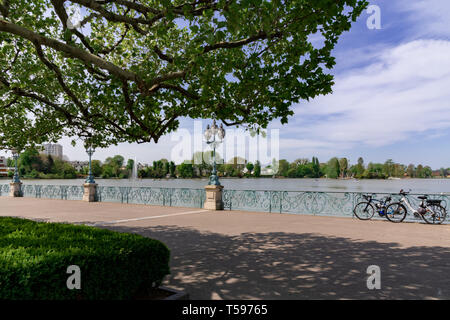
{"points": [[391, 99]]}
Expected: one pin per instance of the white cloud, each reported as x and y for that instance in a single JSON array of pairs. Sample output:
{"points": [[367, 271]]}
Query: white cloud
{"points": [[403, 92], [427, 18]]}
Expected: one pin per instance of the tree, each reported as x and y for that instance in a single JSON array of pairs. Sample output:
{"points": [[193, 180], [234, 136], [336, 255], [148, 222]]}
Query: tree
{"points": [[411, 171], [186, 170], [250, 166], [315, 168], [420, 173], [343, 167], [130, 167], [333, 169], [203, 161], [359, 170], [113, 166], [47, 163], [166, 168], [228, 170], [238, 163], [427, 172], [257, 170], [96, 168], [130, 70], [283, 168], [172, 169], [389, 168], [30, 160]]}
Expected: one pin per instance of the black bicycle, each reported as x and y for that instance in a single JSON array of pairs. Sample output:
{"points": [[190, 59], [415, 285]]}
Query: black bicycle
{"points": [[365, 210]]}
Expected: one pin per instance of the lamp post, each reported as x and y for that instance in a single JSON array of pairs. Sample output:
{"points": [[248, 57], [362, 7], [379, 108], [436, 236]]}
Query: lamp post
{"points": [[90, 151], [15, 154], [214, 189], [90, 187], [210, 136], [15, 189]]}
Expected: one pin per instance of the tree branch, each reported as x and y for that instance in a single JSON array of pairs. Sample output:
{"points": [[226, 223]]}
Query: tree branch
{"points": [[73, 52]]}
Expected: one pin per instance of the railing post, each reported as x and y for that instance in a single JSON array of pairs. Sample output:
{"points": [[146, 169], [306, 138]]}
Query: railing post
{"points": [[90, 191], [270, 201], [281, 205], [213, 197], [15, 189]]}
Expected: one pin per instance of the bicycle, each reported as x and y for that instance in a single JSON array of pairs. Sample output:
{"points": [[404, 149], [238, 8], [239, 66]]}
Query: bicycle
{"points": [[365, 210], [430, 210]]}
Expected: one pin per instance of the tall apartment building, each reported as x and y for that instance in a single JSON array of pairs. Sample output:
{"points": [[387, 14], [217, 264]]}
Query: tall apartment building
{"points": [[3, 167], [54, 150]]}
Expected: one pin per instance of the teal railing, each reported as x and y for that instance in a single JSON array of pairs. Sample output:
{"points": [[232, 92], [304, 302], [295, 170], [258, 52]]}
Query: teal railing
{"points": [[4, 190], [296, 202], [308, 202], [173, 197], [53, 192]]}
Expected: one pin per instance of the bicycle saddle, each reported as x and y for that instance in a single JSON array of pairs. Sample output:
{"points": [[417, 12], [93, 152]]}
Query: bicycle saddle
{"points": [[434, 201], [422, 197]]}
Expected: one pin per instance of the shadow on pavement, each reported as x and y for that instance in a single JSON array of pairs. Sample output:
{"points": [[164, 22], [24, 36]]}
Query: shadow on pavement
{"points": [[297, 266]]}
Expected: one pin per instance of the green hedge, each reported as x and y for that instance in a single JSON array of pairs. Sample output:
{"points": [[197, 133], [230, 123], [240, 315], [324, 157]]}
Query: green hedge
{"points": [[34, 258]]}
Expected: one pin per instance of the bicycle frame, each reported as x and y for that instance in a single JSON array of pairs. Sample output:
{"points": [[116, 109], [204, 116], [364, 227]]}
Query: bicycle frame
{"points": [[408, 204]]}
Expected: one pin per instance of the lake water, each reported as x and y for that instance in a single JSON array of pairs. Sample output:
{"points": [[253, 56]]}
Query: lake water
{"points": [[325, 185]]}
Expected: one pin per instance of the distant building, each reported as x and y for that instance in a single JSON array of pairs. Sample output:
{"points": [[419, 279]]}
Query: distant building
{"points": [[141, 166], [79, 165], [54, 150], [267, 171], [3, 167]]}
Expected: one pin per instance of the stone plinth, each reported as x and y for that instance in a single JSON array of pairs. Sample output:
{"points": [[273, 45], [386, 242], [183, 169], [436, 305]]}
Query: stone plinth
{"points": [[15, 189], [213, 197], [89, 192]]}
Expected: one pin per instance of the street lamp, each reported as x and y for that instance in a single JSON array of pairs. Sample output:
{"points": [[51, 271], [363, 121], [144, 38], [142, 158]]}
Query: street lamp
{"points": [[15, 154], [210, 136], [90, 151]]}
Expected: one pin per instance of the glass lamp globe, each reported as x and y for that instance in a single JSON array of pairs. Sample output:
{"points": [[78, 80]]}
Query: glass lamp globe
{"points": [[208, 133], [221, 133]]}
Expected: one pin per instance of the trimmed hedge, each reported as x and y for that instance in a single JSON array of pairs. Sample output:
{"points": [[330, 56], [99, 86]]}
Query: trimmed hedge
{"points": [[34, 258]]}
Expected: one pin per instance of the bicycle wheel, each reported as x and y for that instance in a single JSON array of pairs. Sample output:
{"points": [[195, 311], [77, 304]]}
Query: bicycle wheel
{"points": [[364, 211], [435, 214], [396, 212]]}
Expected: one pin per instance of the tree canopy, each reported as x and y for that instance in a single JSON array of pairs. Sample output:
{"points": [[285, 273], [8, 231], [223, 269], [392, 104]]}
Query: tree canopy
{"points": [[130, 69]]}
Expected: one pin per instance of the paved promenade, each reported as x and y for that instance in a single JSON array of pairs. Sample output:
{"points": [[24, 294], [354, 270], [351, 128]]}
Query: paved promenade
{"points": [[246, 255]]}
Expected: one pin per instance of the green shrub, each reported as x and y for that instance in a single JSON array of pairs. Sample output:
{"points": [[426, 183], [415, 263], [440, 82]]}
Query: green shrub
{"points": [[34, 258]]}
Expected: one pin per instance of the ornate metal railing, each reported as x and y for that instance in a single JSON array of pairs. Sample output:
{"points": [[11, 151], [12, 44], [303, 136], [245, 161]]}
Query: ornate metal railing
{"points": [[296, 202], [4, 190], [307, 202], [174, 197], [53, 192]]}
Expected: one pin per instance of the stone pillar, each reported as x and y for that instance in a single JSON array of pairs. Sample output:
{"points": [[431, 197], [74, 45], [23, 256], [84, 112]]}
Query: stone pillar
{"points": [[15, 189], [213, 197], [89, 194]]}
